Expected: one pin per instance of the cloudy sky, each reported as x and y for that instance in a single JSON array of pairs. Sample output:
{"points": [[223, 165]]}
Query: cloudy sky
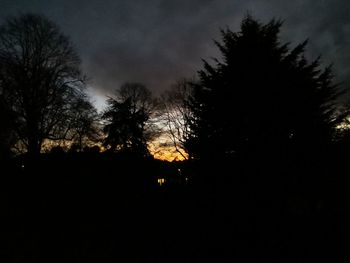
{"points": [[157, 42]]}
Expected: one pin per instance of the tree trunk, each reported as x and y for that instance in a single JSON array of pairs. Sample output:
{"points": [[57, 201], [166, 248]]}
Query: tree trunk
{"points": [[34, 142], [34, 146]]}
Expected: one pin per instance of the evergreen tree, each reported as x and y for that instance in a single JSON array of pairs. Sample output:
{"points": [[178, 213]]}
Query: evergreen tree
{"points": [[127, 118], [262, 97]]}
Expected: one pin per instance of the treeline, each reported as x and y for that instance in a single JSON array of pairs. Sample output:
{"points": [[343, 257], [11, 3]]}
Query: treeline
{"points": [[262, 129], [43, 100], [44, 104], [262, 97], [262, 114]]}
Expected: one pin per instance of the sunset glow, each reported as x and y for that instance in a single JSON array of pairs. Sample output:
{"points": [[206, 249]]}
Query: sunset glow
{"points": [[165, 153]]}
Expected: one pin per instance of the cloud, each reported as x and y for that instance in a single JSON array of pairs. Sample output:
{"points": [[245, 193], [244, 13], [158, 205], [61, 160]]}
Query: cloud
{"points": [[158, 44], [159, 41]]}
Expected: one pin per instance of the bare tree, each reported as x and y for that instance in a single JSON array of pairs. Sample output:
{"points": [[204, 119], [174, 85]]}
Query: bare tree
{"points": [[85, 124], [40, 79], [175, 115]]}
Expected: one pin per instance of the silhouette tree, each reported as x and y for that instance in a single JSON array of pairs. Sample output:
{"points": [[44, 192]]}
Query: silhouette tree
{"points": [[40, 79], [127, 119], [175, 113], [261, 97], [85, 124], [7, 137]]}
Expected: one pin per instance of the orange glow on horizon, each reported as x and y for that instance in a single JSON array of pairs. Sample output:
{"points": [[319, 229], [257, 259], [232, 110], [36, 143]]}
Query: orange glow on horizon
{"points": [[165, 153]]}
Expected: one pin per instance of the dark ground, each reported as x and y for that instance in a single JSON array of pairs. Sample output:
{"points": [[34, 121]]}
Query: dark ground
{"points": [[94, 209]]}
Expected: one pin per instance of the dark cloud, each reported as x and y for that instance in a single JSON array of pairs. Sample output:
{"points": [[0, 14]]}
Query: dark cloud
{"points": [[159, 41]]}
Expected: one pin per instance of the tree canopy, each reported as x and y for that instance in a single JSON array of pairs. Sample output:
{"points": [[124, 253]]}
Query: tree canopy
{"points": [[40, 80], [175, 115], [127, 119], [261, 96]]}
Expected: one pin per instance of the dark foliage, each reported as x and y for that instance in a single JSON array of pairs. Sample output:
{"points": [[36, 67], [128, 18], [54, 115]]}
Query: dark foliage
{"points": [[262, 98], [265, 180], [7, 138], [127, 118], [40, 80], [92, 206]]}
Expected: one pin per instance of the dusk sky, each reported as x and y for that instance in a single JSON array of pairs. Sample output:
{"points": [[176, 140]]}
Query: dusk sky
{"points": [[157, 42]]}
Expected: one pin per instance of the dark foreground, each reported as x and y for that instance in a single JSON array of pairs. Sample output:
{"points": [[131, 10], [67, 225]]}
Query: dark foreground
{"points": [[105, 210]]}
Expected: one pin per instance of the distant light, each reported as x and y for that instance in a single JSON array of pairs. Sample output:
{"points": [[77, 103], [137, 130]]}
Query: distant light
{"points": [[161, 181], [179, 171], [22, 166]]}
